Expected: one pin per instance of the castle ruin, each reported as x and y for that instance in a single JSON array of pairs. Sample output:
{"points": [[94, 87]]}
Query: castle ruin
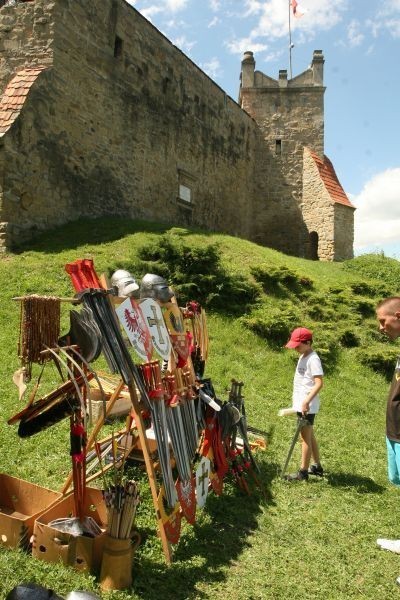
{"points": [[100, 114]]}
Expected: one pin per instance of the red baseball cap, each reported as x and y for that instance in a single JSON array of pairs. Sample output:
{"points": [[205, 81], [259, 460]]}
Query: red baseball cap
{"points": [[298, 336]]}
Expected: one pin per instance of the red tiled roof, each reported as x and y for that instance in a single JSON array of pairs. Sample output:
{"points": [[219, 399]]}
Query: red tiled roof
{"points": [[330, 180], [14, 96]]}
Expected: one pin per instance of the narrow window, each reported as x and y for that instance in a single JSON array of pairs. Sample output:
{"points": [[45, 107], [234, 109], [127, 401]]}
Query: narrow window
{"points": [[314, 245], [278, 147], [118, 46]]}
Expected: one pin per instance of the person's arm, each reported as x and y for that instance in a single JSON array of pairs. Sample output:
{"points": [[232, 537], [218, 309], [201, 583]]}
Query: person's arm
{"points": [[318, 383]]}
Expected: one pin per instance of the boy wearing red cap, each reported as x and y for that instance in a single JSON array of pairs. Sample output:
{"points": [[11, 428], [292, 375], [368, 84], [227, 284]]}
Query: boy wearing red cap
{"points": [[307, 382]]}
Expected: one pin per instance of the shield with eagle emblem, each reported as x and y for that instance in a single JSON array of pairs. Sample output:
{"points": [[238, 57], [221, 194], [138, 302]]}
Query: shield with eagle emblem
{"points": [[132, 320]]}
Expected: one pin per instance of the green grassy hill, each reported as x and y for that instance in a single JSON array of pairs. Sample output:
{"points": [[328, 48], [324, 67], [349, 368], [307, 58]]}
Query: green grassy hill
{"points": [[312, 540]]}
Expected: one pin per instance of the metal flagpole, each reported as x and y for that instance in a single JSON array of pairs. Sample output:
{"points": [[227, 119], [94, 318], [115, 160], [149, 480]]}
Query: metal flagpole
{"points": [[290, 41]]}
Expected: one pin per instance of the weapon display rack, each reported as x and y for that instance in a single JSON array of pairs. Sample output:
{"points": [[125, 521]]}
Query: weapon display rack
{"points": [[85, 281]]}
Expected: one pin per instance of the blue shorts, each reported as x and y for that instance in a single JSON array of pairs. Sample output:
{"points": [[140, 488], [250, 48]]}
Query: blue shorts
{"points": [[393, 454]]}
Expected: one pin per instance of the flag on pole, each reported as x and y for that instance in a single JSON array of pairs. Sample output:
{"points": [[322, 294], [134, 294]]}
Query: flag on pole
{"points": [[296, 13]]}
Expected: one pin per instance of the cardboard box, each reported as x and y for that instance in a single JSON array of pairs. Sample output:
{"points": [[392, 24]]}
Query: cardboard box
{"points": [[82, 552], [21, 502]]}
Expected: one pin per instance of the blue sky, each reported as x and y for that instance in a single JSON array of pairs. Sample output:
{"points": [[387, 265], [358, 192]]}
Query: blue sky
{"points": [[360, 40]]}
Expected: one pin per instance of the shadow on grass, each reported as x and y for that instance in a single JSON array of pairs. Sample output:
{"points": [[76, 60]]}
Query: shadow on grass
{"points": [[88, 231], [203, 556], [363, 485], [96, 231]]}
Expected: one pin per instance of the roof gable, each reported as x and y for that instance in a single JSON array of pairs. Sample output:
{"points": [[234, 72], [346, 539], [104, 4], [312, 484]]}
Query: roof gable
{"points": [[15, 94], [330, 180]]}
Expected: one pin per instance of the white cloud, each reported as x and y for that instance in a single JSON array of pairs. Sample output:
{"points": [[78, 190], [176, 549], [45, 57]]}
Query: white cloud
{"points": [[212, 68], [176, 24], [163, 6], [151, 11], [175, 5], [183, 44], [272, 56], [252, 7], [243, 44], [213, 22], [215, 5], [318, 15], [354, 35], [377, 218], [386, 20]]}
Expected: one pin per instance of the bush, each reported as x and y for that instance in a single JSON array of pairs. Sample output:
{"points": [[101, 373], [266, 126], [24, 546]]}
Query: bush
{"points": [[371, 289], [194, 272], [378, 267], [349, 339], [320, 307], [327, 345], [281, 280], [364, 307], [380, 359], [273, 324]]}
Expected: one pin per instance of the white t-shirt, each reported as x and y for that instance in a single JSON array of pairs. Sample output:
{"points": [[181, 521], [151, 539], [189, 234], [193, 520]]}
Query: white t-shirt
{"points": [[308, 367]]}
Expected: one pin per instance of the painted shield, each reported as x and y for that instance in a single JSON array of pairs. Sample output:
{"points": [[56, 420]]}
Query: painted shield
{"points": [[176, 328], [172, 526], [171, 522], [155, 322], [187, 498], [132, 320], [202, 481]]}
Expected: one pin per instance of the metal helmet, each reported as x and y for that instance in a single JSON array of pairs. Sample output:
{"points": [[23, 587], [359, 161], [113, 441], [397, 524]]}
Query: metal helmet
{"points": [[31, 591], [155, 286], [81, 595], [125, 283]]}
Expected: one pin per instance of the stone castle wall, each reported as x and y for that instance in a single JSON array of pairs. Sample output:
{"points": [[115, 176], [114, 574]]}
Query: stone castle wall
{"points": [[121, 122], [117, 123]]}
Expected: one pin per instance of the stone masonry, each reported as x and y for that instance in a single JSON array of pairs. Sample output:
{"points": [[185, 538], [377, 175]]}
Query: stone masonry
{"points": [[101, 115]]}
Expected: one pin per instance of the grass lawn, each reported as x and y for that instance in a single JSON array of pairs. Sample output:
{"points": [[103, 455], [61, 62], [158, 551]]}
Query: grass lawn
{"points": [[313, 539]]}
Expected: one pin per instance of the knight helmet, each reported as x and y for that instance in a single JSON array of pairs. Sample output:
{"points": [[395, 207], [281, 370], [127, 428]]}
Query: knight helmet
{"points": [[155, 286], [125, 283]]}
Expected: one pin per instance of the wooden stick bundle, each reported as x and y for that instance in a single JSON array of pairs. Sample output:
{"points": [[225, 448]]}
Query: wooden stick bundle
{"points": [[121, 501]]}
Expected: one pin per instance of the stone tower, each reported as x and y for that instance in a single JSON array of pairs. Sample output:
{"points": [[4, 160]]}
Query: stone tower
{"points": [[301, 194]]}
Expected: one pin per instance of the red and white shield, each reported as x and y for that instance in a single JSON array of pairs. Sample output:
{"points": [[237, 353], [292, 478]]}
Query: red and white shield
{"points": [[171, 522], [187, 498], [132, 320], [155, 322]]}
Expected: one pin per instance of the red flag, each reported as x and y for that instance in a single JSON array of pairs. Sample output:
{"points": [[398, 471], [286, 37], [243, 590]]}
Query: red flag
{"points": [[293, 4]]}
